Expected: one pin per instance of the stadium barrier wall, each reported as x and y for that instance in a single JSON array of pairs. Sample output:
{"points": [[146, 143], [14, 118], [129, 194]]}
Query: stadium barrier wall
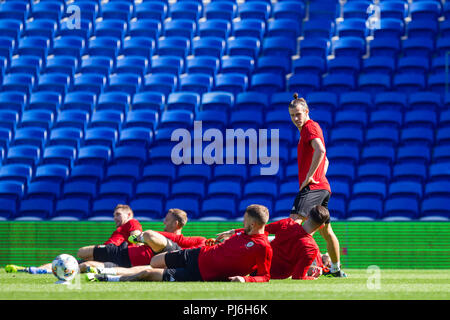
{"points": [[403, 245]]}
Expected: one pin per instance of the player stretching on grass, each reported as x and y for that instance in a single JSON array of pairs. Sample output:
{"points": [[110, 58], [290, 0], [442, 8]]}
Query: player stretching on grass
{"points": [[294, 248], [312, 168], [126, 226], [231, 260]]}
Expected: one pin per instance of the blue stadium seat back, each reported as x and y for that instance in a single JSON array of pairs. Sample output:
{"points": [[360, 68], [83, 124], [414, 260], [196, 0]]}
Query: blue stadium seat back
{"points": [[261, 188], [374, 83], [137, 136], [177, 118], [23, 64], [236, 172], [202, 64], [103, 136], [107, 118], [12, 103], [220, 28], [410, 171], [72, 118], [197, 83], [408, 188], [167, 64], [43, 101], [238, 64], [90, 172], [130, 154], [161, 82], [249, 28], [35, 209], [69, 45], [352, 27], [191, 10], [309, 64], [122, 10], [285, 27], [40, 27], [423, 29], [57, 82], [195, 172], [437, 188], [152, 10], [117, 189], [72, 208], [35, 136], [341, 188], [51, 172], [90, 82], [97, 64], [6, 136], [226, 10], [391, 100], [443, 135], [441, 153], [323, 10], [349, 46], [418, 135], [347, 135], [104, 46], [247, 201], [17, 172], [432, 207], [382, 134], [27, 154], [141, 118], [373, 153], [393, 9], [370, 188], [110, 28], [405, 207], [379, 65], [343, 153], [151, 101], [244, 46], [224, 207], [37, 118], [84, 30], [343, 65], [289, 188], [384, 47], [365, 207], [267, 83], [126, 172], [391, 118], [408, 83], [338, 83], [425, 100], [421, 117], [102, 207], [280, 66], [255, 10], [289, 10], [341, 170], [356, 9], [233, 83], [437, 65], [246, 119], [319, 100], [304, 84], [12, 190], [374, 172], [318, 28], [188, 188], [128, 83], [145, 29], [223, 101], [89, 9], [147, 208], [48, 10], [390, 28], [425, 10], [212, 119], [43, 188], [21, 82], [420, 47], [15, 10], [279, 46], [94, 154], [346, 117], [165, 172], [185, 28], [161, 154], [60, 154], [173, 46], [189, 204], [282, 208], [444, 28], [436, 83]]}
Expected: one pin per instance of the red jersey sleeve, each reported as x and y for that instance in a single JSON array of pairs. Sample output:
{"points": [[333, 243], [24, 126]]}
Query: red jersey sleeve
{"points": [[312, 131], [185, 242], [123, 232], [303, 264], [116, 238], [274, 227], [134, 225], [263, 263]]}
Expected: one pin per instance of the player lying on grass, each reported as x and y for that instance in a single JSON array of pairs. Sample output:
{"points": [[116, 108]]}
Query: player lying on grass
{"points": [[231, 260], [126, 226], [112, 259], [294, 248]]}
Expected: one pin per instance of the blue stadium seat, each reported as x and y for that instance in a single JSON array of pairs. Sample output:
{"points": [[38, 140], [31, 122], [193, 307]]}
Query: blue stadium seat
{"points": [[317, 47], [443, 136], [160, 82], [89, 9], [279, 46], [24, 64], [90, 82], [16, 172], [244, 119], [349, 46], [309, 65], [408, 82], [69, 45], [214, 28], [321, 101], [215, 119], [104, 46], [390, 101], [35, 209], [176, 119], [374, 83], [417, 135], [437, 83], [57, 82], [188, 188], [390, 28], [393, 9], [97, 64], [20, 82], [45, 101], [15, 10], [278, 119], [217, 101], [267, 83], [384, 153], [347, 153], [420, 47], [71, 209], [231, 82], [281, 208], [413, 65], [392, 118], [255, 10], [338, 83], [379, 65], [202, 64], [37, 118], [117, 10], [439, 171], [382, 135], [255, 28], [47, 10], [244, 46], [303, 84], [94, 154], [33, 136], [323, 10], [165, 172], [132, 64], [441, 153], [343, 65], [191, 206], [113, 100], [283, 27], [420, 117], [352, 27], [414, 171], [236, 172], [364, 208], [226, 10], [374, 172], [347, 135], [27, 154], [116, 189], [265, 189], [197, 172], [422, 29], [184, 100], [289, 189], [318, 28], [126, 151], [72, 118], [149, 29], [152, 10], [104, 136], [111, 28], [425, 10], [218, 208], [124, 82], [40, 27], [238, 64], [47, 189], [347, 117], [173, 46], [244, 203], [432, 209], [289, 10], [147, 209], [186, 10], [426, 101], [59, 154], [437, 188], [404, 188], [185, 28], [444, 28], [343, 171], [401, 209], [381, 47], [150, 100], [197, 83], [84, 30], [66, 136], [107, 118], [356, 9], [102, 207]]}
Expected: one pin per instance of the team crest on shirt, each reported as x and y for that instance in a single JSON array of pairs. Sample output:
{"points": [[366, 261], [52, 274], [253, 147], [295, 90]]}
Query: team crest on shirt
{"points": [[250, 244]]}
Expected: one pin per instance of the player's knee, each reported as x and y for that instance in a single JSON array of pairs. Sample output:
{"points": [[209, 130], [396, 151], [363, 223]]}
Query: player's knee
{"points": [[83, 267], [82, 253]]}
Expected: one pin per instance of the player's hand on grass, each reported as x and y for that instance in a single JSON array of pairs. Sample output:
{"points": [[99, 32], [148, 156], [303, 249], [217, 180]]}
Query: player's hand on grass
{"points": [[236, 279], [224, 235], [210, 242], [307, 182]]}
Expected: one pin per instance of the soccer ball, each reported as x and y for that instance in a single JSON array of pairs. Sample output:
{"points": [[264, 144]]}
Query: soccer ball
{"points": [[65, 267]]}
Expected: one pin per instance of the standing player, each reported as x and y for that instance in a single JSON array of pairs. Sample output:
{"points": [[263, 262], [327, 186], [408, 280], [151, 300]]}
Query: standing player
{"points": [[231, 260], [312, 167]]}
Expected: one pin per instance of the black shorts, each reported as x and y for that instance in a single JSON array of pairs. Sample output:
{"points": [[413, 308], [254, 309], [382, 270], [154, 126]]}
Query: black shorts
{"points": [[171, 246], [112, 253], [182, 265], [306, 199]]}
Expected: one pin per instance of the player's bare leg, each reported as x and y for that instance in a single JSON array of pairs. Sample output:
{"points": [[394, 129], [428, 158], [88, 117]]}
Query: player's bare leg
{"points": [[146, 275], [159, 261], [88, 265], [130, 271], [156, 241], [333, 250], [86, 253]]}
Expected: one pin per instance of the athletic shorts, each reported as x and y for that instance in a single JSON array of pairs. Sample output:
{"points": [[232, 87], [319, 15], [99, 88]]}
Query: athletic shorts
{"points": [[112, 253], [306, 199], [182, 265], [171, 246]]}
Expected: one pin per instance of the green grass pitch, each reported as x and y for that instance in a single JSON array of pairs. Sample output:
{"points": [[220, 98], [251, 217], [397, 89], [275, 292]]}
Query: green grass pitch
{"points": [[393, 284]]}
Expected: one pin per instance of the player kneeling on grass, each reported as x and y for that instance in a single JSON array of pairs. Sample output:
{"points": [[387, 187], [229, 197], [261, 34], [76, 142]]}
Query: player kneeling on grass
{"points": [[294, 248], [231, 260]]}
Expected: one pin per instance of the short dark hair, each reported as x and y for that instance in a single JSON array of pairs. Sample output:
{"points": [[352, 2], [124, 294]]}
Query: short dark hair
{"points": [[319, 214], [258, 212]]}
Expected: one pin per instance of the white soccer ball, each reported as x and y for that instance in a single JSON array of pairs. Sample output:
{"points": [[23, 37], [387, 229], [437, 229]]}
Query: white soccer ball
{"points": [[65, 267]]}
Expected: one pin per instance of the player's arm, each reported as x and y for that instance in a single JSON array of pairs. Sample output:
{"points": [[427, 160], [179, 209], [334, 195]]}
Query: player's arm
{"points": [[263, 263], [227, 234], [327, 163], [318, 156], [273, 228]]}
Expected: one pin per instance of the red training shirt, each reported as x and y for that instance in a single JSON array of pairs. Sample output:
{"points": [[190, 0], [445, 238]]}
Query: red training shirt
{"points": [[294, 250], [305, 151], [184, 242], [237, 256], [123, 232]]}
